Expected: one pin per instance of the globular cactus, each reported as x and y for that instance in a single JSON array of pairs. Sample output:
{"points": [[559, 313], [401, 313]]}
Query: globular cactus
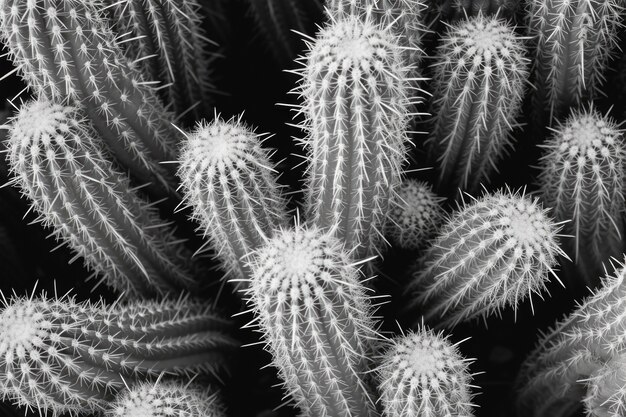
{"points": [[58, 355], [229, 181], [356, 112], [422, 374], [166, 41], [582, 179], [316, 321], [61, 166], [479, 78], [574, 40], [493, 252], [65, 50], [415, 215]]}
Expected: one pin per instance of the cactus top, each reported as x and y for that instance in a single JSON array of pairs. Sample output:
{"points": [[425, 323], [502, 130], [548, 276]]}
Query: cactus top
{"points": [[606, 395], [586, 133], [43, 121]]}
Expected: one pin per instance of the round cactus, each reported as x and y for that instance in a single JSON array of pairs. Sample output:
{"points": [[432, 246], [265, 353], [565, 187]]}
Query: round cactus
{"points": [[422, 375], [479, 80], [492, 253]]}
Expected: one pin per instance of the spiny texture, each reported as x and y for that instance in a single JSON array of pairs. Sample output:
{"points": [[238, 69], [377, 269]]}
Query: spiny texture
{"points": [[479, 78], [574, 40], [167, 43], [58, 162], [457, 9], [355, 106], [58, 356], [316, 321], [423, 375], [65, 51], [164, 399], [228, 180], [492, 253], [581, 350], [582, 180], [415, 215]]}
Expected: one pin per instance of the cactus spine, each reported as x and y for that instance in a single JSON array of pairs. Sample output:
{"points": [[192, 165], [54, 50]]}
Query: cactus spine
{"points": [[355, 106], [574, 40], [316, 321], [59, 164], [479, 78], [66, 51], [228, 180], [62, 356], [461, 8], [493, 252]]}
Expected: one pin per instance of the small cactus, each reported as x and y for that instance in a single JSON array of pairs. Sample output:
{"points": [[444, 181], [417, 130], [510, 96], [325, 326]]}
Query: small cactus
{"points": [[62, 356], [479, 78], [228, 179], [316, 321], [492, 253]]}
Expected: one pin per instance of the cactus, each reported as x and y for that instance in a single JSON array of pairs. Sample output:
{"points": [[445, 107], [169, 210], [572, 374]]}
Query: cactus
{"points": [[167, 44], [58, 162], [63, 356], [479, 78], [492, 253], [422, 374], [457, 9], [606, 392], [574, 40], [356, 111], [228, 180], [316, 321], [65, 50], [415, 216], [582, 180]]}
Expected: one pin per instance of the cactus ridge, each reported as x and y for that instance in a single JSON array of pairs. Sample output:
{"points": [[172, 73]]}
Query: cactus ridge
{"points": [[316, 321], [58, 162], [229, 181], [494, 252]]}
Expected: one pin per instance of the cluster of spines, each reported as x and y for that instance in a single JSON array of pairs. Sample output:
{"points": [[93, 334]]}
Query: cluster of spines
{"points": [[491, 253], [479, 80], [316, 321], [229, 182], [458, 9], [61, 166], [59, 356]]}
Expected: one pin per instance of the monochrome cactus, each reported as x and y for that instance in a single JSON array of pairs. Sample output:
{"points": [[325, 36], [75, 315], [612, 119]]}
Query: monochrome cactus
{"points": [[458, 9], [316, 321], [606, 392], [492, 253], [229, 182], [58, 355], [356, 112], [65, 50], [422, 374], [573, 42], [59, 163], [582, 179]]}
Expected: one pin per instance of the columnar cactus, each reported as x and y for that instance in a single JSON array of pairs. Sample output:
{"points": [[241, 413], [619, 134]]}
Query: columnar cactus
{"points": [[356, 110], [65, 50], [582, 180], [228, 179], [422, 374], [62, 356], [61, 166], [574, 40], [316, 321], [479, 77], [492, 253]]}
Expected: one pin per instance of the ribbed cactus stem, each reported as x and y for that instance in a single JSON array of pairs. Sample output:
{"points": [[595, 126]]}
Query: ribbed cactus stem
{"points": [[355, 104], [606, 389], [62, 356], [582, 180], [229, 181], [479, 79], [61, 166], [66, 51], [574, 40], [422, 374], [492, 253], [316, 320]]}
